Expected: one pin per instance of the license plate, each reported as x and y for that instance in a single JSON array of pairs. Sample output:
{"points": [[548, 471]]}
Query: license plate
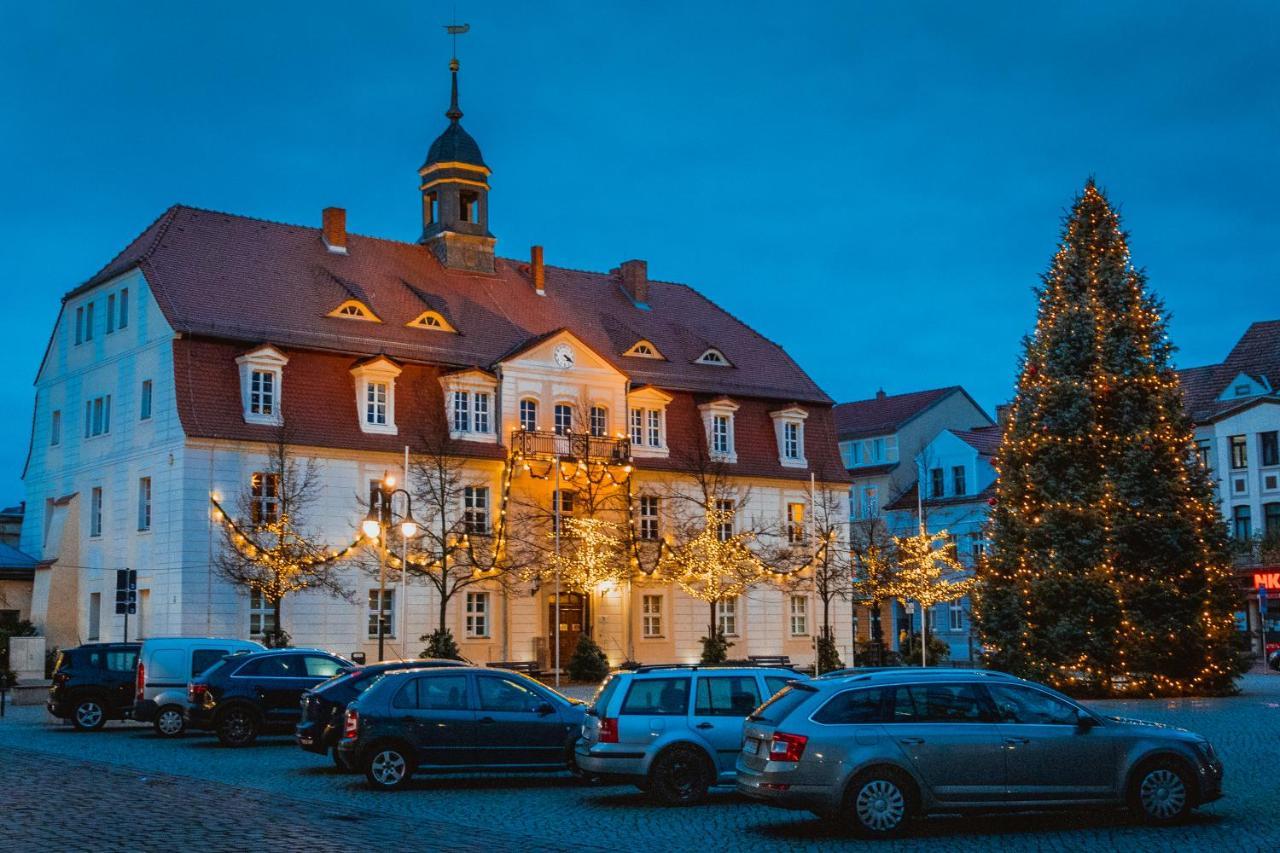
{"points": [[751, 747]]}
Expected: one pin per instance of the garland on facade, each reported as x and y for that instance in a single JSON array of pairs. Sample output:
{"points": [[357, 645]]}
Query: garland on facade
{"points": [[243, 542]]}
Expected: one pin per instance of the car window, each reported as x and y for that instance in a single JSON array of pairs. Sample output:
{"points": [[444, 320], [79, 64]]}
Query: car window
{"points": [[659, 697], [605, 694], [122, 661], [783, 703], [501, 694], [202, 659], [439, 693], [774, 683], [1017, 704], [272, 666], [850, 707], [937, 703], [726, 695], [320, 667], [167, 665]]}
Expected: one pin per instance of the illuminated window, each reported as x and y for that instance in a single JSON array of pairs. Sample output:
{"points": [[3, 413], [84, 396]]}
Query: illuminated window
{"points": [[644, 349], [795, 523], [430, 320], [353, 309]]}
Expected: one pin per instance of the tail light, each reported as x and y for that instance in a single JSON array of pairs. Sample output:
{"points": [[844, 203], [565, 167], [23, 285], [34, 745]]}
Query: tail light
{"points": [[142, 679], [61, 678], [196, 693], [608, 730], [351, 725], [785, 747]]}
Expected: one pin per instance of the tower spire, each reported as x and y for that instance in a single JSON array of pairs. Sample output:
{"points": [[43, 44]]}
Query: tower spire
{"points": [[455, 112]]}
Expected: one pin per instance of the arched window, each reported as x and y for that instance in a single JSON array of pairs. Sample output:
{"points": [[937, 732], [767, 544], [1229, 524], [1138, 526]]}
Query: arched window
{"points": [[714, 357], [644, 349], [529, 415], [354, 309], [431, 320]]}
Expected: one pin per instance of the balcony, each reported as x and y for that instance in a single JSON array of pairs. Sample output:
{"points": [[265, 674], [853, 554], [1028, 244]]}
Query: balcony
{"points": [[579, 446]]}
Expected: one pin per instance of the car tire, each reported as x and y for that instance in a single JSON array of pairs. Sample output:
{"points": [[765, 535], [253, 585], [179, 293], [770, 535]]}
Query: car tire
{"points": [[1162, 793], [388, 767], [680, 776], [169, 722], [881, 802], [89, 714], [238, 727]]}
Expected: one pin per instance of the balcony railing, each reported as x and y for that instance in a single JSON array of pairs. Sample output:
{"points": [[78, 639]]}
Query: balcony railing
{"points": [[572, 445]]}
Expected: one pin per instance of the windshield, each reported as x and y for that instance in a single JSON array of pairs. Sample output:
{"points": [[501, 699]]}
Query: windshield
{"points": [[783, 703]]}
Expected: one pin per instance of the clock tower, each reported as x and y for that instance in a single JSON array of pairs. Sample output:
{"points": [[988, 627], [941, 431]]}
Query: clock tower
{"points": [[455, 195]]}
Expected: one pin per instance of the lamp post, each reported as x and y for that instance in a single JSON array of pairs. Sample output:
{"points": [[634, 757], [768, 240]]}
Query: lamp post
{"points": [[375, 525]]}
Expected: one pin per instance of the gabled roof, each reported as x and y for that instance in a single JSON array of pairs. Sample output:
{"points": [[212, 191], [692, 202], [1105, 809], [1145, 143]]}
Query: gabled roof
{"points": [[1257, 354], [237, 278], [888, 414], [985, 440]]}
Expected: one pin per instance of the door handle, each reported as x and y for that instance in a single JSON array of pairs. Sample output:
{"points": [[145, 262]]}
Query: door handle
{"points": [[704, 726], [911, 741], [1016, 740]]}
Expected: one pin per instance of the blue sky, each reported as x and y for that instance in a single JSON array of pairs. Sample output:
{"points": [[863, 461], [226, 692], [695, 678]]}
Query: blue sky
{"points": [[876, 187]]}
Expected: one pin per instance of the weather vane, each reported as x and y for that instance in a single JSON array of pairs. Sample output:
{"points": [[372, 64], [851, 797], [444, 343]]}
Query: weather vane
{"points": [[456, 30]]}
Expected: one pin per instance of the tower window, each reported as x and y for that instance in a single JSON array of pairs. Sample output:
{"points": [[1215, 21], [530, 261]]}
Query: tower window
{"points": [[431, 208], [469, 207]]}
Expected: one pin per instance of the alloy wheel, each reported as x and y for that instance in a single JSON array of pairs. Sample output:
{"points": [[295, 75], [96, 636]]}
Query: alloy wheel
{"points": [[238, 727], [89, 714], [388, 768], [1163, 794], [880, 806]]}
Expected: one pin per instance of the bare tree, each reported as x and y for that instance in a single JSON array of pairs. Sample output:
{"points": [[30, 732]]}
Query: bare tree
{"points": [[268, 547]]}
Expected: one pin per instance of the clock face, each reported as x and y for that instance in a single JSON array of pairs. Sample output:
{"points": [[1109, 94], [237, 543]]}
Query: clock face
{"points": [[563, 355]]}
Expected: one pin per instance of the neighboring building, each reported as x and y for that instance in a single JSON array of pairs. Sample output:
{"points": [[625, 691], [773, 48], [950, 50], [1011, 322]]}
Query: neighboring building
{"points": [[960, 482], [11, 524], [17, 570], [881, 440], [171, 370], [1236, 409]]}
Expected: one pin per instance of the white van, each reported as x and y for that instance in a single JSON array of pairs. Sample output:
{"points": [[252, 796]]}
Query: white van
{"points": [[166, 665]]}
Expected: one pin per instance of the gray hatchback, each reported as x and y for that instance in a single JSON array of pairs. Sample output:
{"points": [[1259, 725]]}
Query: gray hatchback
{"points": [[673, 730], [879, 748]]}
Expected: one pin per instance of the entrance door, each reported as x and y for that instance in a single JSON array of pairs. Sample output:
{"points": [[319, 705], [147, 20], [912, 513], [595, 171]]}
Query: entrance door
{"points": [[572, 616]]}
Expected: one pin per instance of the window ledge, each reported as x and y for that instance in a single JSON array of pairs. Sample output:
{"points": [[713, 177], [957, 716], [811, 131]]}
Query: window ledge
{"points": [[793, 463], [379, 429], [486, 437], [263, 420], [645, 451], [730, 458]]}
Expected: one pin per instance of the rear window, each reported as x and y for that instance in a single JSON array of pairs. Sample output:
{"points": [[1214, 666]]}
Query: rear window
{"points": [[657, 697], [774, 683], [605, 694], [122, 660], [783, 703], [851, 707]]}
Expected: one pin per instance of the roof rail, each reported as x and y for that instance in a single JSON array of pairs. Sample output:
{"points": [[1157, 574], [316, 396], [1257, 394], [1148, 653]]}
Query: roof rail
{"points": [[653, 667]]}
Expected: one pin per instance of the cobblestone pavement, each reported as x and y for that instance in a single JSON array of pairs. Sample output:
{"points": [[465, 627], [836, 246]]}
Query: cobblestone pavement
{"points": [[125, 789]]}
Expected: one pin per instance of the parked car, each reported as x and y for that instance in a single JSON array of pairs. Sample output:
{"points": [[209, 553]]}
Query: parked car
{"points": [[165, 666], [242, 696], [320, 726], [1275, 660], [93, 683], [455, 719], [674, 731], [877, 749]]}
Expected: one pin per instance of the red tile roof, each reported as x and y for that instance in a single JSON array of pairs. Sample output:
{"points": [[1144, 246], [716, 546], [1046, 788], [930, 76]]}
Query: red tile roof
{"points": [[985, 440], [1257, 354], [233, 277], [884, 415]]}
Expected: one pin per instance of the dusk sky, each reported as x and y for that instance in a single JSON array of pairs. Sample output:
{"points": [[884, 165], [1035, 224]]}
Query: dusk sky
{"points": [[875, 187]]}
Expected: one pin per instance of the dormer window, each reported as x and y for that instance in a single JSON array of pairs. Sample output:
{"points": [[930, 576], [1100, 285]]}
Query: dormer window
{"points": [[1243, 390], [375, 385], [644, 349], [713, 357], [354, 309], [468, 400], [431, 320], [788, 428], [718, 419], [261, 380], [647, 421]]}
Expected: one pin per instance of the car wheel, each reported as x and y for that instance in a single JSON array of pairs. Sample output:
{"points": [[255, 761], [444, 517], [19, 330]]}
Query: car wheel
{"points": [[1161, 793], [388, 768], [89, 714], [881, 801], [238, 727], [169, 721], [680, 776]]}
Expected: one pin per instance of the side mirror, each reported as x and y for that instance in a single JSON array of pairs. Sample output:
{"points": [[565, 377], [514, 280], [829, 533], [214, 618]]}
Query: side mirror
{"points": [[544, 709], [1084, 721]]}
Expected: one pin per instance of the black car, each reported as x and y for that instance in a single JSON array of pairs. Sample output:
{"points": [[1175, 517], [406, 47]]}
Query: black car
{"points": [[320, 728], [458, 719], [93, 683], [242, 696]]}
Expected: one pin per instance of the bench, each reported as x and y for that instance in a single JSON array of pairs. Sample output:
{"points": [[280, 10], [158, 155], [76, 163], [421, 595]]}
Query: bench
{"points": [[528, 667], [770, 660]]}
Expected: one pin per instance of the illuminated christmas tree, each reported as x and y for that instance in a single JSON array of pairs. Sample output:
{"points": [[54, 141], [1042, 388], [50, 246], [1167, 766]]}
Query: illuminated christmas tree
{"points": [[1109, 570]]}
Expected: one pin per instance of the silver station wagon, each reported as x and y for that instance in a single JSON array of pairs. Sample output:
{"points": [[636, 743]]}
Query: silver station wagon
{"points": [[878, 748]]}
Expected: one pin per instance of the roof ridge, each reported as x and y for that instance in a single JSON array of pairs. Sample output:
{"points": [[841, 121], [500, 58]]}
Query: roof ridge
{"points": [[169, 213], [904, 394]]}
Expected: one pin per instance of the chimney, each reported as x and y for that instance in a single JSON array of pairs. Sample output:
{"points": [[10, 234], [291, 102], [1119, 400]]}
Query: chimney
{"points": [[635, 281], [1002, 415], [539, 272], [880, 395], [335, 230]]}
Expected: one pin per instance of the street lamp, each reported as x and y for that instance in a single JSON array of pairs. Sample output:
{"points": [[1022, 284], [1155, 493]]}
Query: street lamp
{"points": [[375, 524]]}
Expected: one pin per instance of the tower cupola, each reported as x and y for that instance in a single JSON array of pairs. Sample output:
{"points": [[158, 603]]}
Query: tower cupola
{"points": [[455, 195]]}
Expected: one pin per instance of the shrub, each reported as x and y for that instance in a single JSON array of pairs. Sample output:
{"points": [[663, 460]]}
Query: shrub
{"points": [[589, 662], [440, 644], [277, 638], [828, 654], [938, 651], [715, 649]]}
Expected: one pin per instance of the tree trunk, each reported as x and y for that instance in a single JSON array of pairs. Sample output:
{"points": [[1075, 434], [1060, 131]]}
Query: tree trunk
{"points": [[711, 626], [277, 626], [444, 598]]}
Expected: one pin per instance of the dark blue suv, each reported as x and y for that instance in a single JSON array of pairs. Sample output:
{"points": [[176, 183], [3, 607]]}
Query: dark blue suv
{"points": [[458, 719], [241, 696]]}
